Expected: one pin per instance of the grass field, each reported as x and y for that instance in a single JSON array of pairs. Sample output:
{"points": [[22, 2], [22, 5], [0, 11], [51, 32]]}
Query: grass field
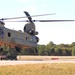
{"points": [[39, 69]]}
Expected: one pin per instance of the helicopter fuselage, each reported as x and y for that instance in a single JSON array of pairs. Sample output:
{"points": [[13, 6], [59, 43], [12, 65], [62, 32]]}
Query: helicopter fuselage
{"points": [[16, 38]]}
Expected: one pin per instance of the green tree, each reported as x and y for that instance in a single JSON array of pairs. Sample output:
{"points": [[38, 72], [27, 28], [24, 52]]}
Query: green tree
{"points": [[12, 53], [73, 44], [73, 51], [64, 53], [42, 50], [58, 51], [50, 44]]}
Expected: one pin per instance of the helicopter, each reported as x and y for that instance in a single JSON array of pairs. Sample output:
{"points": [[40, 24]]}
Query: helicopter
{"points": [[19, 39]]}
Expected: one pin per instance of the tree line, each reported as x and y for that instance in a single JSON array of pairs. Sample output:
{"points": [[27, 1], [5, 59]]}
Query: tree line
{"points": [[49, 49], [52, 49]]}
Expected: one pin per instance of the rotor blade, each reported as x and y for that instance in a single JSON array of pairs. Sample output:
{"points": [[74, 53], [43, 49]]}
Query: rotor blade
{"points": [[18, 21], [38, 15], [52, 20], [28, 16], [25, 16], [42, 21]]}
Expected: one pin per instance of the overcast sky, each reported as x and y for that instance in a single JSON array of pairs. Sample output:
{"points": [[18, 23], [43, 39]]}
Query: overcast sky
{"points": [[58, 32]]}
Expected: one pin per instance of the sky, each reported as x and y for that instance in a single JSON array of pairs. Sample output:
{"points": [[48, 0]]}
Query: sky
{"points": [[57, 32]]}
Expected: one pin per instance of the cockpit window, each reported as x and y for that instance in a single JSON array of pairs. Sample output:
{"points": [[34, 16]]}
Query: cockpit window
{"points": [[1, 32]]}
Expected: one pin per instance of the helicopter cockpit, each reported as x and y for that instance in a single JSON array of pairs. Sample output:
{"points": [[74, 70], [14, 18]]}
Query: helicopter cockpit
{"points": [[1, 29], [1, 33]]}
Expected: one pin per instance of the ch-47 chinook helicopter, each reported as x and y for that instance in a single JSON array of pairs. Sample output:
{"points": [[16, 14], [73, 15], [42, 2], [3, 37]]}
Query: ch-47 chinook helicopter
{"points": [[19, 39]]}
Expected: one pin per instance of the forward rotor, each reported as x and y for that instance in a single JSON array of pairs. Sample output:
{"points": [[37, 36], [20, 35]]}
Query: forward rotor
{"points": [[30, 18], [27, 15]]}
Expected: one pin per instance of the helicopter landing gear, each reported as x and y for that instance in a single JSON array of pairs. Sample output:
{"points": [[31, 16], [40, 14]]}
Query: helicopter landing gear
{"points": [[36, 51], [18, 48]]}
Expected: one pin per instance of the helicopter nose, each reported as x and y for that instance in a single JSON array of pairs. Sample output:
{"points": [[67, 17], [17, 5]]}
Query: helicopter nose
{"points": [[36, 33], [37, 39]]}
